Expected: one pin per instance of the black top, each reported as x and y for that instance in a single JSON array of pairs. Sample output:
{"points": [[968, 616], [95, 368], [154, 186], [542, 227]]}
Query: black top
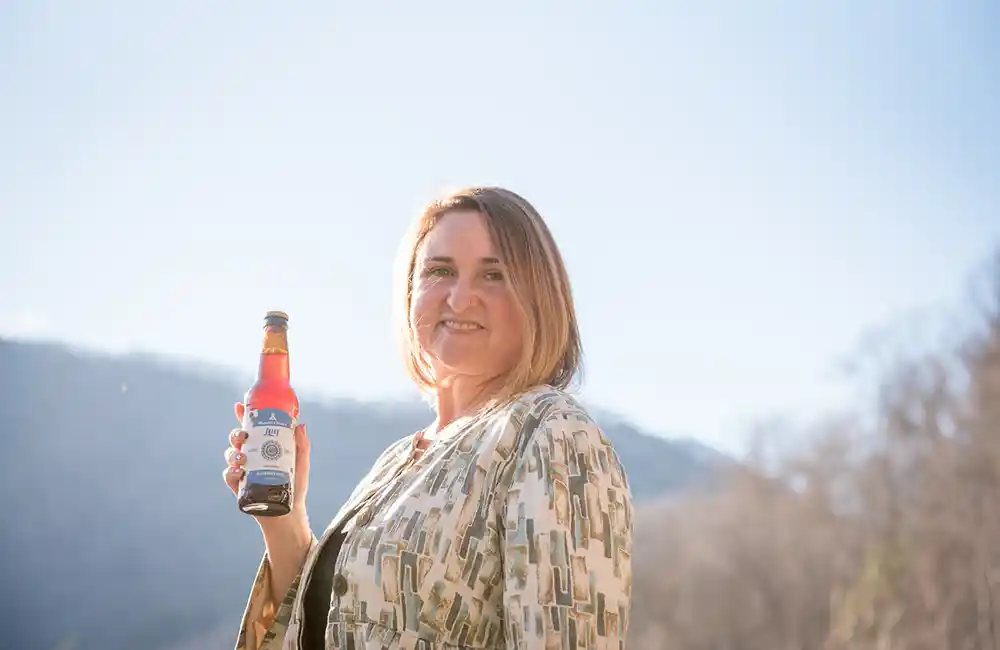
{"points": [[316, 603]]}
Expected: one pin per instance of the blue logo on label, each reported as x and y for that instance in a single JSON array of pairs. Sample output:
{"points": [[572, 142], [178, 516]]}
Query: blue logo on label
{"points": [[269, 417], [271, 450]]}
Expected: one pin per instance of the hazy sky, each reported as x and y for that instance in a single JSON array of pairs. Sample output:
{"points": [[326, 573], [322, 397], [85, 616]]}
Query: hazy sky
{"points": [[740, 189]]}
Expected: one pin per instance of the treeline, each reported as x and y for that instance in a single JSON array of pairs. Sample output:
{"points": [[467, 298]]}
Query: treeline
{"points": [[882, 534]]}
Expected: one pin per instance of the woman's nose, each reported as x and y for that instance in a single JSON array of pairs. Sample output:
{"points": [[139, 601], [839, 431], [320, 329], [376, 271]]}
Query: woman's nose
{"points": [[461, 295]]}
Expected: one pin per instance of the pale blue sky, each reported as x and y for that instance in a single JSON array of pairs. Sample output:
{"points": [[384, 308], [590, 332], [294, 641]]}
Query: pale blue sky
{"points": [[741, 189]]}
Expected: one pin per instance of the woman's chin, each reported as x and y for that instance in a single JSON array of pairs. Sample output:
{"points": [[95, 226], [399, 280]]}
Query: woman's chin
{"points": [[460, 359], [449, 369]]}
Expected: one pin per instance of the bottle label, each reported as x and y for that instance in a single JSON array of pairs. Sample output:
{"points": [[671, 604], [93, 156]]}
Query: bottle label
{"points": [[270, 447]]}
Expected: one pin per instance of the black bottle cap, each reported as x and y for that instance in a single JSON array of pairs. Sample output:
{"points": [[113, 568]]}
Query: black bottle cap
{"points": [[276, 318]]}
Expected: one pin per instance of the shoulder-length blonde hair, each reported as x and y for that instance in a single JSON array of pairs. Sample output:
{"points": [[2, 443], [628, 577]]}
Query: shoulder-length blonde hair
{"points": [[552, 352]]}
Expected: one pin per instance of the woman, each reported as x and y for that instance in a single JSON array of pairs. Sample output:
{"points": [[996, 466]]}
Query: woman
{"points": [[507, 523]]}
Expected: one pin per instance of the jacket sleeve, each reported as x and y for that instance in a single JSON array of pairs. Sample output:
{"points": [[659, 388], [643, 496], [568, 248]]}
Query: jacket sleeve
{"points": [[264, 622], [567, 548]]}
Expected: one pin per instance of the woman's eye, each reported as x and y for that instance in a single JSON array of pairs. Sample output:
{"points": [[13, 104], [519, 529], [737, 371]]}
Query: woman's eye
{"points": [[494, 276], [437, 271]]}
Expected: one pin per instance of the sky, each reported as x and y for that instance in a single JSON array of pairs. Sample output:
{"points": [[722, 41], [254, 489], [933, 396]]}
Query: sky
{"points": [[741, 190]]}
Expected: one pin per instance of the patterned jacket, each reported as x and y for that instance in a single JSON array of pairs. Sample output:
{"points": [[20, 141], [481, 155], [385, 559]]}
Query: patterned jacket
{"points": [[509, 532]]}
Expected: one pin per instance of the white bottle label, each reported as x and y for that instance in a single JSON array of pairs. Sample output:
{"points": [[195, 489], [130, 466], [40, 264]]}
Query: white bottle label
{"points": [[270, 447]]}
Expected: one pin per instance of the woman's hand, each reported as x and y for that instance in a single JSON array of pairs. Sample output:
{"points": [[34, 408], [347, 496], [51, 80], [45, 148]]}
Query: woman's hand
{"points": [[236, 459]]}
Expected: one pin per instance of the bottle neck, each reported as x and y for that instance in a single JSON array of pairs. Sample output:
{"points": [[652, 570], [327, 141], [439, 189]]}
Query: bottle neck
{"points": [[274, 356]]}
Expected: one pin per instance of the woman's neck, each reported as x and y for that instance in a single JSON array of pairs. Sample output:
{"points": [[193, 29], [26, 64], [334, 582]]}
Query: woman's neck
{"points": [[458, 398]]}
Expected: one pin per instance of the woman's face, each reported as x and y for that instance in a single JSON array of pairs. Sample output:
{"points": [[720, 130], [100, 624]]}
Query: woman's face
{"points": [[463, 310]]}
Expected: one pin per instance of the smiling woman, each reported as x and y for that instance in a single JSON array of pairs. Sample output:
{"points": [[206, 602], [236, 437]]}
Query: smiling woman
{"points": [[507, 522], [464, 316], [488, 250]]}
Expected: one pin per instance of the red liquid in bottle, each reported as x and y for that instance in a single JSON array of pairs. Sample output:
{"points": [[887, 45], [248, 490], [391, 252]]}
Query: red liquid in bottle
{"points": [[271, 409]]}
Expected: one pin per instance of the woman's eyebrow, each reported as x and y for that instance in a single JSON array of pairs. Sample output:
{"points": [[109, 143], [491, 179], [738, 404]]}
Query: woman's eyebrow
{"points": [[444, 259]]}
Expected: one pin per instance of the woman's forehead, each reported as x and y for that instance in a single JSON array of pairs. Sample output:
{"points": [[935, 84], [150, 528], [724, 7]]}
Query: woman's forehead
{"points": [[459, 236]]}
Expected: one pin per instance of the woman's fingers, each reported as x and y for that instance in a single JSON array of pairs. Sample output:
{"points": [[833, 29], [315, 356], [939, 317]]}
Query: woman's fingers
{"points": [[235, 459]]}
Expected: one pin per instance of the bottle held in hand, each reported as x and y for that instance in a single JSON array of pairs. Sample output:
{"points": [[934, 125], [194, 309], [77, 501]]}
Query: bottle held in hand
{"points": [[270, 411]]}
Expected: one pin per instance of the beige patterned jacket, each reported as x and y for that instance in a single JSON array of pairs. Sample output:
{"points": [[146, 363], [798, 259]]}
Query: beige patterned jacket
{"points": [[513, 533]]}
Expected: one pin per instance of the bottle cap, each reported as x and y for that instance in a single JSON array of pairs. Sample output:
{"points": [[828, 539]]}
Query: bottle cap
{"points": [[276, 318]]}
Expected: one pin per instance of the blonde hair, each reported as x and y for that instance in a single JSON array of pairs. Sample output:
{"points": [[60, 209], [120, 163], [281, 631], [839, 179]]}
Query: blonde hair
{"points": [[537, 277]]}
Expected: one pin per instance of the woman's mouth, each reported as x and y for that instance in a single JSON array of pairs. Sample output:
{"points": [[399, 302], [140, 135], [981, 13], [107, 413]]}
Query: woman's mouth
{"points": [[462, 325]]}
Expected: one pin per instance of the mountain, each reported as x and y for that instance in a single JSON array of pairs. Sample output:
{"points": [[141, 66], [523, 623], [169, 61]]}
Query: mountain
{"points": [[119, 532]]}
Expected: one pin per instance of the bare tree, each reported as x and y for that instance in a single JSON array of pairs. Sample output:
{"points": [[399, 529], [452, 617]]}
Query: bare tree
{"points": [[883, 533]]}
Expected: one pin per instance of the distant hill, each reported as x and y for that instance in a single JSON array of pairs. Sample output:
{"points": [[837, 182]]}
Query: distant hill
{"points": [[120, 534]]}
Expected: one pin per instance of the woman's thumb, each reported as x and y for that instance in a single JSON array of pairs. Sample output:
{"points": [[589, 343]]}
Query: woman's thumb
{"points": [[301, 448]]}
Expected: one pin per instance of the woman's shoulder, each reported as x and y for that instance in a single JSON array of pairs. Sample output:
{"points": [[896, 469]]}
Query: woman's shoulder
{"points": [[546, 405], [550, 423], [548, 411]]}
